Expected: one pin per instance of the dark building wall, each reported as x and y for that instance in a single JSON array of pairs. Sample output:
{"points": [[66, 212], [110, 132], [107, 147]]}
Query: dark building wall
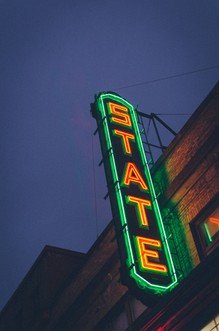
{"points": [[71, 291], [187, 177], [188, 171], [93, 292], [187, 180], [191, 305], [85, 294], [95, 299], [29, 306]]}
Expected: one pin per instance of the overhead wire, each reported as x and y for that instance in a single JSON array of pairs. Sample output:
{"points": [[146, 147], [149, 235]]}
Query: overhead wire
{"points": [[165, 78], [94, 183], [169, 114], [172, 114]]}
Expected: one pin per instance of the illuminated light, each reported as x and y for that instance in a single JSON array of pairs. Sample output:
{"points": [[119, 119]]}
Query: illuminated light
{"points": [[209, 238], [125, 139], [140, 204], [132, 175], [123, 119], [214, 220], [146, 279], [145, 253], [210, 229]]}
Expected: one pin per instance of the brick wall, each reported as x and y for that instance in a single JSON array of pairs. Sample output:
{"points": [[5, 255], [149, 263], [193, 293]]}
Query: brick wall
{"points": [[187, 174]]}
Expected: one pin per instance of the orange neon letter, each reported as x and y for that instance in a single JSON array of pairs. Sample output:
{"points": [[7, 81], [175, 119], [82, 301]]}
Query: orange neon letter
{"points": [[214, 220], [118, 110], [132, 175], [125, 139], [146, 253], [140, 205]]}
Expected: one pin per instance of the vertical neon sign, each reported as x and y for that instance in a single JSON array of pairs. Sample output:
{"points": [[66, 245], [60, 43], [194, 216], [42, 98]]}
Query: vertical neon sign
{"points": [[140, 232]]}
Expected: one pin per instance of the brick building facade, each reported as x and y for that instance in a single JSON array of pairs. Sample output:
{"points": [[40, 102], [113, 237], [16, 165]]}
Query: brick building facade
{"points": [[67, 290]]}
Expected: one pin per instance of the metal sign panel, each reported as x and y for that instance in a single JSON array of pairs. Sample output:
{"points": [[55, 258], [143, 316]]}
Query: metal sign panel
{"points": [[145, 254]]}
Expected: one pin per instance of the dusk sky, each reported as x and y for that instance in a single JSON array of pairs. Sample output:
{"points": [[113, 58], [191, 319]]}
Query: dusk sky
{"points": [[54, 56]]}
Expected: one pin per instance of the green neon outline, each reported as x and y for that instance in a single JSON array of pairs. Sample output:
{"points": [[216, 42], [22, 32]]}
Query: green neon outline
{"points": [[131, 262], [154, 198], [208, 235]]}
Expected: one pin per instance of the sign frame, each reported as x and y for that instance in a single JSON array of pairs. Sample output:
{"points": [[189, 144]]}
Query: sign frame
{"points": [[128, 175]]}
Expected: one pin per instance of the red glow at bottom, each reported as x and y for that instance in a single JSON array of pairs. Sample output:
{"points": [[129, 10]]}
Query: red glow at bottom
{"points": [[160, 329]]}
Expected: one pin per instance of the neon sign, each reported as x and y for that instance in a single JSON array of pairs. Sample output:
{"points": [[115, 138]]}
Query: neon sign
{"points": [[141, 237]]}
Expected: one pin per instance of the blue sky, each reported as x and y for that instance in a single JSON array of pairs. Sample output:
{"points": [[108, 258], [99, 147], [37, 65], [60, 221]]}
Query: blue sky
{"points": [[55, 55]]}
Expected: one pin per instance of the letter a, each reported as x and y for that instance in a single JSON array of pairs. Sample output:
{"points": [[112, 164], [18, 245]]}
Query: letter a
{"points": [[132, 175]]}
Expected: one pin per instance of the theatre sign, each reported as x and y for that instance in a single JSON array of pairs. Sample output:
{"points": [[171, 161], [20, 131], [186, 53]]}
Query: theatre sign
{"points": [[143, 245]]}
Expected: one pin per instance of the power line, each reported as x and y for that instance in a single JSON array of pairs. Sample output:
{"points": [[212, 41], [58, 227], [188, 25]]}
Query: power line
{"points": [[166, 78], [172, 114], [94, 183]]}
